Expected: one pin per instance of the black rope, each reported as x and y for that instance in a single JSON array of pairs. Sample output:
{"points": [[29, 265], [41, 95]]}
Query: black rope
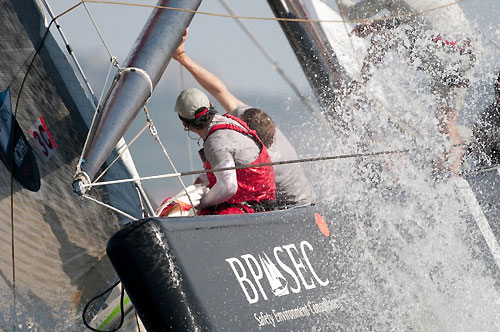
{"points": [[137, 321], [21, 67], [122, 313], [12, 173], [12, 136], [12, 232]]}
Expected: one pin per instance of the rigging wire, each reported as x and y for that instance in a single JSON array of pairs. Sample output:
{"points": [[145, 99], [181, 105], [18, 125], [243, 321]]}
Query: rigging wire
{"points": [[70, 51], [109, 207], [272, 18], [476, 171], [149, 121], [141, 194], [99, 32], [294, 161], [188, 141], [146, 76], [127, 146], [154, 132], [92, 124], [114, 62]]}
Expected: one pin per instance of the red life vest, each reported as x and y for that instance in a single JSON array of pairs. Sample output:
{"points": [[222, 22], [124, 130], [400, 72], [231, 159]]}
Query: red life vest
{"points": [[255, 183]]}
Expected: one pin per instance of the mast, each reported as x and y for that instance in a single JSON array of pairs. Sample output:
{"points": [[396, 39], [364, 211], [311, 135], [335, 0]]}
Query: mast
{"points": [[314, 53], [135, 82]]}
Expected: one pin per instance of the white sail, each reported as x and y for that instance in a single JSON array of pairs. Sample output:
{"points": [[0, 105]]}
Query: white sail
{"points": [[348, 47]]}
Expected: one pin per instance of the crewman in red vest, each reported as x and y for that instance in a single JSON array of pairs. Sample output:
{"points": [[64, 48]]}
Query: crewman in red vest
{"points": [[227, 142], [292, 186]]}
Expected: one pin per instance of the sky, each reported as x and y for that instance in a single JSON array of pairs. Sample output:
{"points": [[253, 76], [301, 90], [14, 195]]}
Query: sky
{"points": [[215, 42], [219, 45]]}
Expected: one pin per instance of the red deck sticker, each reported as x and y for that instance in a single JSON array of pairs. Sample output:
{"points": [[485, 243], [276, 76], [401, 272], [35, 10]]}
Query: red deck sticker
{"points": [[320, 222], [42, 136]]}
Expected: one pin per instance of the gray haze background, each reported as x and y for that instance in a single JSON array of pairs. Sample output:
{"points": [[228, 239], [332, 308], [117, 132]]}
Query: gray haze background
{"points": [[220, 45]]}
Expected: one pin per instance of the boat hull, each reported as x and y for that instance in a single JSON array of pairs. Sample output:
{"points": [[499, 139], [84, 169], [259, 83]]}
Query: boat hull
{"points": [[246, 272]]}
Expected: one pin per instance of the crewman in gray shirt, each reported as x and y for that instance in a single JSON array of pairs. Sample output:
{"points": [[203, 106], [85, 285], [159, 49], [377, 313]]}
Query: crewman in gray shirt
{"points": [[227, 142], [292, 186]]}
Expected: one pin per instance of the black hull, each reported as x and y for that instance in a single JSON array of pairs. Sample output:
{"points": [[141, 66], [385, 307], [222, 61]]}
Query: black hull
{"points": [[179, 272], [279, 271]]}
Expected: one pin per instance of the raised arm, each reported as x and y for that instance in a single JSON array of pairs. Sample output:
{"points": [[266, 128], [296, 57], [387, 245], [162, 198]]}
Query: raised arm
{"points": [[206, 79]]}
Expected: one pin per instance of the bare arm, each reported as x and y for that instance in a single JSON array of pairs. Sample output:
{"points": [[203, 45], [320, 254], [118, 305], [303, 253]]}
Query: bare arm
{"points": [[206, 79]]}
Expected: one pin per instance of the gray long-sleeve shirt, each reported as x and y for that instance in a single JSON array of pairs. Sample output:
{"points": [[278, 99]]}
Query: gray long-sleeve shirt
{"points": [[291, 182]]}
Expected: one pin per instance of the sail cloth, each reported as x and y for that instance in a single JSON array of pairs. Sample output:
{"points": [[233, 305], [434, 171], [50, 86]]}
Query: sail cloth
{"points": [[313, 51], [56, 261], [147, 60], [347, 47]]}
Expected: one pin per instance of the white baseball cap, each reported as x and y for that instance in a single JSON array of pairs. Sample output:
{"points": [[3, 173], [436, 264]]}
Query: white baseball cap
{"points": [[189, 101]]}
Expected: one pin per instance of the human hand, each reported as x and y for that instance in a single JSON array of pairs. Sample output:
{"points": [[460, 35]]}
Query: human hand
{"points": [[180, 204], [180, 49]]}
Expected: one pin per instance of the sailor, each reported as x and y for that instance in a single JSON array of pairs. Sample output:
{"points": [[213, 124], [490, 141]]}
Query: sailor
{"points": [[292, 186], [486, 131], [227, 142], [437, 42]]}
